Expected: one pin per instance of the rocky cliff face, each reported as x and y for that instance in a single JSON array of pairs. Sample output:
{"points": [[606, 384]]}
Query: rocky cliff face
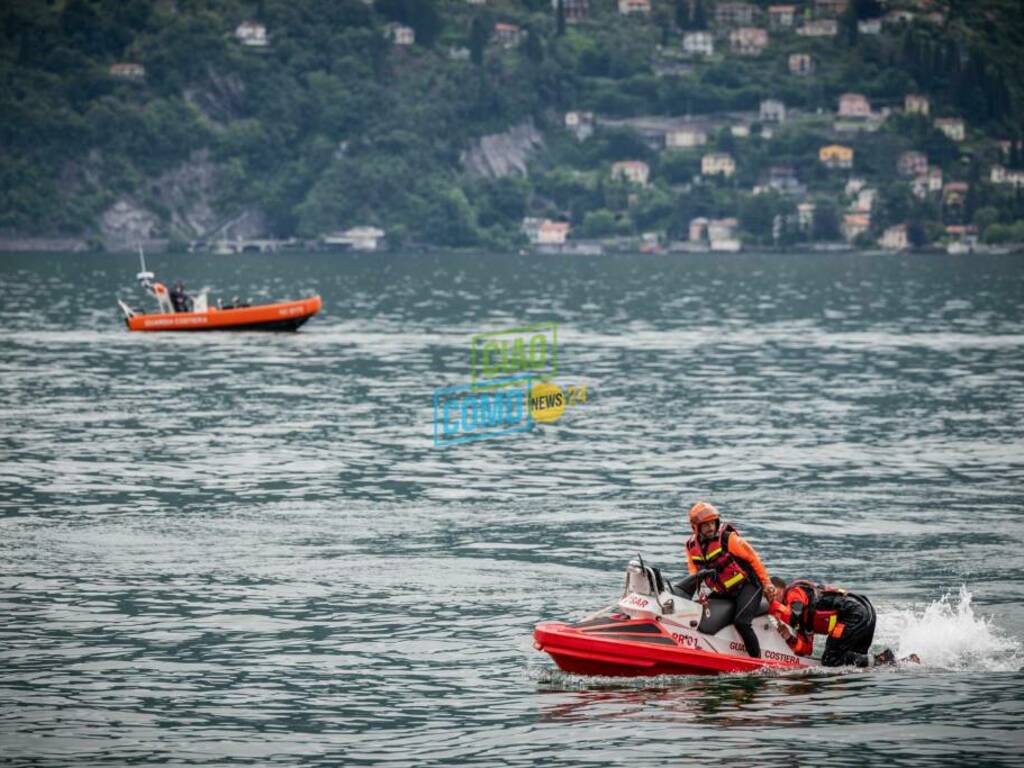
{"points": [[503, 154], [178, 205]]}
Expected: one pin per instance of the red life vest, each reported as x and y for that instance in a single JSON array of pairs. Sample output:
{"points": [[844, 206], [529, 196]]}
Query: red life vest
{"points": [[816, 620], [729, 575]]}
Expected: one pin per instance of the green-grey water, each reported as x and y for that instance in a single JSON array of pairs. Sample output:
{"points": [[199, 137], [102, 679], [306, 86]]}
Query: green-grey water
{"points": [[244, 548]]}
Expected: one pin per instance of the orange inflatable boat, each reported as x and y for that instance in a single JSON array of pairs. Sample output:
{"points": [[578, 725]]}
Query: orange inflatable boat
{"points": [[282, 316], [181, 312]]}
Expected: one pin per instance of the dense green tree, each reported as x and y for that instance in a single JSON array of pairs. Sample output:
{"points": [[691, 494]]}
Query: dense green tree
{"points": [[421, 15], [479, 34], [826, 221]]}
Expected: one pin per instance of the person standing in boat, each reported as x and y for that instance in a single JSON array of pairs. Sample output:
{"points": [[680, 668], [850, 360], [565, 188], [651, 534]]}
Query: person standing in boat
{"points": [[180, 300], [731, 569]]}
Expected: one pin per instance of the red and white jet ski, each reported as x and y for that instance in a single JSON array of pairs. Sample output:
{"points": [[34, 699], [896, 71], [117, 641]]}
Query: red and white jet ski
{"points": [[656, 629]]}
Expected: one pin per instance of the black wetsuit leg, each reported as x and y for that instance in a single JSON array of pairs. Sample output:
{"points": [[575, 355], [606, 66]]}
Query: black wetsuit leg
{"points": [[748, 599], [858, 617]]}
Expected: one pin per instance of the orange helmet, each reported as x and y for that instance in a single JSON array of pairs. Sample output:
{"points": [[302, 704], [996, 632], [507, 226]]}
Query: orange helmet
{"points": [[701, 513]]}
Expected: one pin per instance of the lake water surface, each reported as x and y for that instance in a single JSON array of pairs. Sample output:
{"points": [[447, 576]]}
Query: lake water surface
{"points": [[244, 549]]}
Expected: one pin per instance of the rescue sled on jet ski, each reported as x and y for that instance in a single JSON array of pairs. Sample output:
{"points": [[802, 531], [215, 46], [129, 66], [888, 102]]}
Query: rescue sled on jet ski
{"points": [[657, 629], [179, 312]]}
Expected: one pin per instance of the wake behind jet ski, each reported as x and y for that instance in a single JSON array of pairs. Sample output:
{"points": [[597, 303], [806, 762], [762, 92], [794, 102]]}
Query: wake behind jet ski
{"points": [[181, 312]]}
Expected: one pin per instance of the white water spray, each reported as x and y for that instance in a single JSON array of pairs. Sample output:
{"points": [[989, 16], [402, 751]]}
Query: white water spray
{"points": [[949, 635]]}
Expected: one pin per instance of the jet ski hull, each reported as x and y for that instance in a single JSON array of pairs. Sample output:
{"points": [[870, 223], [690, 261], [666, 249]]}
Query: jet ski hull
{"points": [[637, 649], [282, 316]]}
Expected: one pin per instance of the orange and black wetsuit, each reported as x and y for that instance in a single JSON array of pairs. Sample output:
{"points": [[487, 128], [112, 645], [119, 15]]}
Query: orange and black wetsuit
{"points": [[738, 575], [847, 619]]}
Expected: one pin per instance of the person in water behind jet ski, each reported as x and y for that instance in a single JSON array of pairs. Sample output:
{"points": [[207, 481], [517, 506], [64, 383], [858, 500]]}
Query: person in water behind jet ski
{"points": [[731, 568], [848, 619]]}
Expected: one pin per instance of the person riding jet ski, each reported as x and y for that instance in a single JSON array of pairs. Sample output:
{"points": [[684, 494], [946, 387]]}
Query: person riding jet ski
{"points": [[848, 619], [729, 566]]}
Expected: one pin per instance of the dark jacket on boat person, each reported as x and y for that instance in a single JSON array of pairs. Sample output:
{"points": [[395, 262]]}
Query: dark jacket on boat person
{"points": [[735, 572], [180, 300], [847, 619]]}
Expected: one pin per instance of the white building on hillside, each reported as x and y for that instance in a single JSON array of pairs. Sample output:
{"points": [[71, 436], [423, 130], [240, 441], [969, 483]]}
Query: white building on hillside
{"points": [[252, 33], [699, 43]]}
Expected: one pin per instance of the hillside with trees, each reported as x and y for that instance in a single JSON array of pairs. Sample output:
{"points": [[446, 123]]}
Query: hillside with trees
{"points": [[187, 120]]}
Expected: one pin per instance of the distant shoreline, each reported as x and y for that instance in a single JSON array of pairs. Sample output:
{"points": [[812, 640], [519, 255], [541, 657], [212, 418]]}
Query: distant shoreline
{"points": [[58, 245]]}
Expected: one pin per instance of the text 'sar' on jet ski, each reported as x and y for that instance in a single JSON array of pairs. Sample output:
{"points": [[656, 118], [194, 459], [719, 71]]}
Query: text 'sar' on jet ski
{"points": [[657, 629], [181, 312]]}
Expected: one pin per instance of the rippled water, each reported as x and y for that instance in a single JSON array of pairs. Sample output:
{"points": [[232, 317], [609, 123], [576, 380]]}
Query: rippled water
{"points": [[245, 549]]}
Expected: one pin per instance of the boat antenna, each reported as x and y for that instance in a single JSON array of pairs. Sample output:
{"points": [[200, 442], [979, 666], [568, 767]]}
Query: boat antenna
{"points": [[142, 257]]}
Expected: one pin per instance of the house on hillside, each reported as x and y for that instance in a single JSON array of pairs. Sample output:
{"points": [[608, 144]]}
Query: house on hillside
{"points": [[865, 200], [836, 156], [575, 10], [507, 35], [913, 164], [552, 232], [829, 8], [895, 238], [783, 179], [355, 239], [819, 28], [685, 138], [735, 14], [929, 183], [400, 34], [953, 127], [805, 216], [869, 26], [634, 171], [1001, 175], [855, 224], [801, 64], [772, 111], [915, 104], [634, 6], [580, 124], [252, 33], [717, 164], [699, 43], [954, 192], [698, 229], [854, 105], [722, 235], [748, 41], [781, 16], [128, 71]]}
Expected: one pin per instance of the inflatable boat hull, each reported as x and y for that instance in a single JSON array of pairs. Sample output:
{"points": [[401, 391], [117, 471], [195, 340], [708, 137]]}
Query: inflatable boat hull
{"points": [[283, 316]]}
